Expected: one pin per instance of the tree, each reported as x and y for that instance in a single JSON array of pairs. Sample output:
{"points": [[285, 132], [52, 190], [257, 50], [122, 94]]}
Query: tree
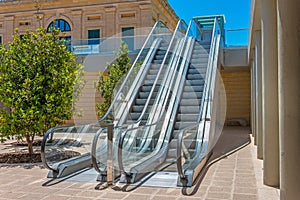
{"points": [[108, 79], [39, 82]]}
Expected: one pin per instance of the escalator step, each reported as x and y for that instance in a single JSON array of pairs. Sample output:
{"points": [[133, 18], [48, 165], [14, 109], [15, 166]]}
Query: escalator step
{"points": [[190, 102], [145, 95], [182, 125], [199, 54], [189, 109], [147, 88], [149, 82], [194, 95], [187, 117], [199, 70], [192, 130], [157, 61], [196, 82], [159, 57], [133, 116], [195, 77], [189, 88], [143, 101], [161, 52], [199, 60], [136, 108], [189, 142]]}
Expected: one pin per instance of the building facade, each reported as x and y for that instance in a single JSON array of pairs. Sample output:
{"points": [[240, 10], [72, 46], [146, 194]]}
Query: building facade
{"points": [[274, 55], [84, 19]]}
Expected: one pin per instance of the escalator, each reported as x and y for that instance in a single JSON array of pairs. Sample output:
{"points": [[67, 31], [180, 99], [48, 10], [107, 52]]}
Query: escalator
{"points": [[191, 97], [181, 140], [149, 89], [60, 154]]}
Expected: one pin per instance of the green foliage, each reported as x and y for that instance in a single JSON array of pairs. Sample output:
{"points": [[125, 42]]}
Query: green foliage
{"points": [[108, 80], [39, 81]]}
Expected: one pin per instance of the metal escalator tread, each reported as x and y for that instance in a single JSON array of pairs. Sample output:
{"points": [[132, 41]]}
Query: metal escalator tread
{"points": [[191, 97], [144, 91]]}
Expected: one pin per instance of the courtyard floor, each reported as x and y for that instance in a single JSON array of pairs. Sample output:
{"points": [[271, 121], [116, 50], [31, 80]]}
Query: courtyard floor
{"points": [[233, 173]]}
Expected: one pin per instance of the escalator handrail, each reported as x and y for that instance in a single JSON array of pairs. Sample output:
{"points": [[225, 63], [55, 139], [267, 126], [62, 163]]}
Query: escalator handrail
{"points": [[180, 134], [128, 74], [172, 80], [209, 68], [125, 126], [180, 24], [44, 141], [43, 147], [121, 141], [122, 137], [93, 152], [160, 69]]}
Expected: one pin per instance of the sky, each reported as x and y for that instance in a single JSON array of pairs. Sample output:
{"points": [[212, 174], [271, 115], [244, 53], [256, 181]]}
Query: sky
{"points": [[237, 15]]}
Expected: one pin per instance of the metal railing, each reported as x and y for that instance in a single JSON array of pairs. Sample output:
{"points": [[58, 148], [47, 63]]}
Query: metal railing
{"points": [[106, 45]]}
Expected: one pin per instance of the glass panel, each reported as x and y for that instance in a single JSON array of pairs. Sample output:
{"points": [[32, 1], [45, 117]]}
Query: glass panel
{"points": [[69, 144], [0, 39], [62, 25]]}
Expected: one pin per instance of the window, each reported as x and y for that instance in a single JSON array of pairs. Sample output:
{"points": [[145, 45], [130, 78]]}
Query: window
{"points": [[128, 15], [94, 17], [0, 39], [24, 23], [61, 24], [94, 36], [128, 37]]}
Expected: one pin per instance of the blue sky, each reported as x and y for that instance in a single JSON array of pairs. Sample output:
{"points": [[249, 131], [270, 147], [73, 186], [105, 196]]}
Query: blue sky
{"points": [[237, 15]]}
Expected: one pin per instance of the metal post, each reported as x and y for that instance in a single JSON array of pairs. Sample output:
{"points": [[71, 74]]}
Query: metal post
{"points": [[110, 130], [109, 163]]}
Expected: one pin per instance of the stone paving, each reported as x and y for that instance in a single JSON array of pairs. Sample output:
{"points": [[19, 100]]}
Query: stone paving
{"points": [[236, 177]]}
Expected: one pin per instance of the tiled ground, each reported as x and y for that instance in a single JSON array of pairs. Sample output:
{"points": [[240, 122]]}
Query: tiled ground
{"points": [[237, 177]]}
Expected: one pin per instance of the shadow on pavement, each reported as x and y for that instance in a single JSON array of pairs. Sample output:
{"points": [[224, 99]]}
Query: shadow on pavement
{"points": [[231, 140]]}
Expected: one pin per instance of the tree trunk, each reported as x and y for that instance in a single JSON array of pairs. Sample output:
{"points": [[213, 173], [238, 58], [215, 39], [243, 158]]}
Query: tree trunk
{"points": [[29, 140]]}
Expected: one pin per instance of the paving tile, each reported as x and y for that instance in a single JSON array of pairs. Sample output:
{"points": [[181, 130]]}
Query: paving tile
{"points": [[68, 192], [147, 190], [114, 195], [245, 184], [226, 189], [80, 198], [162, 197], [268, 193], [169, 191], [138, 197], [89, 193], [55, 197], [244, 197], [31, 196], [218, 195], [13, 195], [222, 183], [245, 190]]}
